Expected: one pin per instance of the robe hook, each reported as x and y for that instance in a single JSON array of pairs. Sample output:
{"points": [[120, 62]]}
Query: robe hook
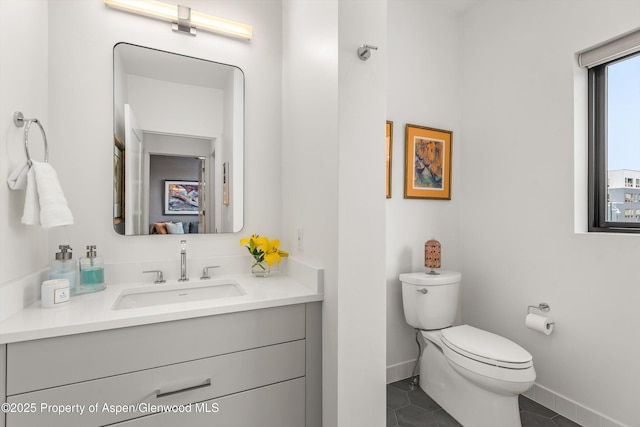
{"points": [[364, 51]]}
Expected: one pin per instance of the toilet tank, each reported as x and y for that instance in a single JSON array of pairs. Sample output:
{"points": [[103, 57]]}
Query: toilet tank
{"points": [[430, 301]]}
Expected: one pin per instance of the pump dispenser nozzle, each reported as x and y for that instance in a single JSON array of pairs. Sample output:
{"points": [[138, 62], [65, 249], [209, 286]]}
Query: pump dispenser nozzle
{"points": [[91, 251], [64, 252]]}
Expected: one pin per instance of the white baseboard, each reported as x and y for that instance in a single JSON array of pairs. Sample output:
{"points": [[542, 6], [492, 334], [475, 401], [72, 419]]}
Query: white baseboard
{"points": [[570, 409], [556, 402], [400, 371]]}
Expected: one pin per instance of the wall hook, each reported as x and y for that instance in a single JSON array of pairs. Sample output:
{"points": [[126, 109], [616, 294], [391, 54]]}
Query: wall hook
{"points": [[364, 51]]}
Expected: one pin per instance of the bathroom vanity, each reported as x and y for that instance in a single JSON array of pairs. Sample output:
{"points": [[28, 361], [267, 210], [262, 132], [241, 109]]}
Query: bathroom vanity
{"points": [[254, 361]]}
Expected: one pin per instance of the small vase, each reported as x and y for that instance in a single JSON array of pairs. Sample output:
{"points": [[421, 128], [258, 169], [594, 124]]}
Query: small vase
{"points": [[260, 269]]}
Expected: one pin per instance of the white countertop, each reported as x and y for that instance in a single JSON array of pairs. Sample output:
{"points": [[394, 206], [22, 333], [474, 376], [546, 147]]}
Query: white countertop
{"points": [[94, 312]]}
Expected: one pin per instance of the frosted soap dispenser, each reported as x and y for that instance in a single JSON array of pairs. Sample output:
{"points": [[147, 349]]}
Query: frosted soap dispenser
{"points": [[64, 267], [92, 271]]}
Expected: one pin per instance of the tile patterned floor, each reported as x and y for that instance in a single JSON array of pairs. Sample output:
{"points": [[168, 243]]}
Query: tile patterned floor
{"points": [[414, 408]]}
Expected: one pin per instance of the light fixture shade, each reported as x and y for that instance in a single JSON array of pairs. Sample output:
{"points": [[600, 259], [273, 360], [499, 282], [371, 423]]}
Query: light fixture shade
{"points": [[220, 25], [153, 9], [168, 12]]}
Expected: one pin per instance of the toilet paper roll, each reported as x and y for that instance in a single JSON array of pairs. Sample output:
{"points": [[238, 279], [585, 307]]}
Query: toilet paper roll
{"points": [[539, 323]]}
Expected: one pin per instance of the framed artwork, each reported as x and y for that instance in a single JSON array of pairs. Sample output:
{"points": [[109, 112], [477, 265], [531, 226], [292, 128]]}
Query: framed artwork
{"points": [[389, 153], [225, 183], [181, 198], [427, 168], [118, 180]]}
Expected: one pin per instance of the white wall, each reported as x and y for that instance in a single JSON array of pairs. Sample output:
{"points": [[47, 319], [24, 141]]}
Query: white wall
{"points": [[23, 87], [310, 160], [120, 95], [333, 187], [361, 217], [168, 107], [517, 229], [423, 89], [80, 95]]}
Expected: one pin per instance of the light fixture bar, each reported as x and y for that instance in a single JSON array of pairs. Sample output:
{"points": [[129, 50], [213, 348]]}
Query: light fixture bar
{"points": [[221, 25], [184, 21], [170, 13]]}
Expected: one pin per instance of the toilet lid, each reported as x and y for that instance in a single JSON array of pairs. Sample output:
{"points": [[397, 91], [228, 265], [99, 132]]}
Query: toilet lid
{"points": [[442, 277], [486, 347]]}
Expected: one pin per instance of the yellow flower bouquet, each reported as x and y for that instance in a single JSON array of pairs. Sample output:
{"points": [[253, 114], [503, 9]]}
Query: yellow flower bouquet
{"points": [[263, 251]]}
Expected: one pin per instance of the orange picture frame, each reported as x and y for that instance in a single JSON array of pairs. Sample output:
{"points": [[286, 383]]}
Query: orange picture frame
{"points": [[427, 170]]}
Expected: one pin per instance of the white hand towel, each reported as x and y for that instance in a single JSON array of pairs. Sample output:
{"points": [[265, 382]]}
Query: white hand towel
{"points": [[54, 210], [31, 215], [18, 178]]}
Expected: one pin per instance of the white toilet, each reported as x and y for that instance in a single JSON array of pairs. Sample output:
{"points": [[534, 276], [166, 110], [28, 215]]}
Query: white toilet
{"points": [[474, 375]]}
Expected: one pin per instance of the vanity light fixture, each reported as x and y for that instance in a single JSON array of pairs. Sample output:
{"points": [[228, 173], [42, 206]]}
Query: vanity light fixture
{"points": [[183, 18]]}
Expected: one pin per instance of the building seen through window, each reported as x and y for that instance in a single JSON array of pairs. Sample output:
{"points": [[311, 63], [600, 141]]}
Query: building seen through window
{"points": [[623, 199]]}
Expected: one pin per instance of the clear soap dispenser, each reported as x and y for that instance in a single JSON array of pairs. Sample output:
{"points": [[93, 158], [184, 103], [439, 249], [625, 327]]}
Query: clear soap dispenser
{"points": [[92, 271], [64, 267]]}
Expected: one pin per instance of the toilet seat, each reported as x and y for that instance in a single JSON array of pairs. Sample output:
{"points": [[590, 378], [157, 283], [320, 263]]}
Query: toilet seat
{"points": [[485, 347], [472, 351]]}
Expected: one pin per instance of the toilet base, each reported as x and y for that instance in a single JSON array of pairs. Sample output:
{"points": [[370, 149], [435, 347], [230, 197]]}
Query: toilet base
{"points": [[469, 404]]}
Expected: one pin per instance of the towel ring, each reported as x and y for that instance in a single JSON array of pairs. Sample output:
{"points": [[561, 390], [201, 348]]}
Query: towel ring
{"points": [[19, 121]]}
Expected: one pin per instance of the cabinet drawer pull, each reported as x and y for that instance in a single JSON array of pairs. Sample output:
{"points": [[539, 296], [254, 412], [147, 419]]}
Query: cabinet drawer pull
{"points": [[160, 393]]}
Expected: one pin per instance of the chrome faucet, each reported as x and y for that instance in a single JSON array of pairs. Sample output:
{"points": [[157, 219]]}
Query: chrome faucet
{"points": [[159, 275], [205, 272], [183, 261]]}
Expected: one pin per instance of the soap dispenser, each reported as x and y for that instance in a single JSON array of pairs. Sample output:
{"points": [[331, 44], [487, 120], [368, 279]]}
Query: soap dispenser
{"points": [[91, 271], [64, 267]]}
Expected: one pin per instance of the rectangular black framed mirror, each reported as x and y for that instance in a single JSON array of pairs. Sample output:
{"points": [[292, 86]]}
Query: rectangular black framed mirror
{"points": [[176, 118]]}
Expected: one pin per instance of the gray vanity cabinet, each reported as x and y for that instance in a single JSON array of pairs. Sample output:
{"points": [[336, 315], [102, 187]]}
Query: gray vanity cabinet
{"points": [[277, 405], [259, 367]]}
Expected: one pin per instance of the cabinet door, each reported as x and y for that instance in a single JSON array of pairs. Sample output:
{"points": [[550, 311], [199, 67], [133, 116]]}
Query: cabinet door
{"points": [[278, 405], [123, 397], [52, 362], [3, 379]]}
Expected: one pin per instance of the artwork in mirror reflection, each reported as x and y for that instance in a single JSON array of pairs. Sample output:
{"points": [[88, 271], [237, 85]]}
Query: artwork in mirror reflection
{"points": [[181, 198], [179, 132]]}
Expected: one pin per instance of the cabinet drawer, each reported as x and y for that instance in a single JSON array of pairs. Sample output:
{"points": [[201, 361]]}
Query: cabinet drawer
{"points": [[138, 394], [51, 362], [278, 405]]}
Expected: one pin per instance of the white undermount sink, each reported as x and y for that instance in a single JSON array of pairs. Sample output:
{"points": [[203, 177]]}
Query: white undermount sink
{"points": [[177, 293]]}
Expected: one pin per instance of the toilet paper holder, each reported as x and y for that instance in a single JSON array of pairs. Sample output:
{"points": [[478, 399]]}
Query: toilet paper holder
{"points": [[547, 324], [543, 306]]}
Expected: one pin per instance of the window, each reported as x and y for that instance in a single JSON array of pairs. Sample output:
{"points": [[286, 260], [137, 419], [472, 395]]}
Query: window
{"points": [[614, 132]]}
